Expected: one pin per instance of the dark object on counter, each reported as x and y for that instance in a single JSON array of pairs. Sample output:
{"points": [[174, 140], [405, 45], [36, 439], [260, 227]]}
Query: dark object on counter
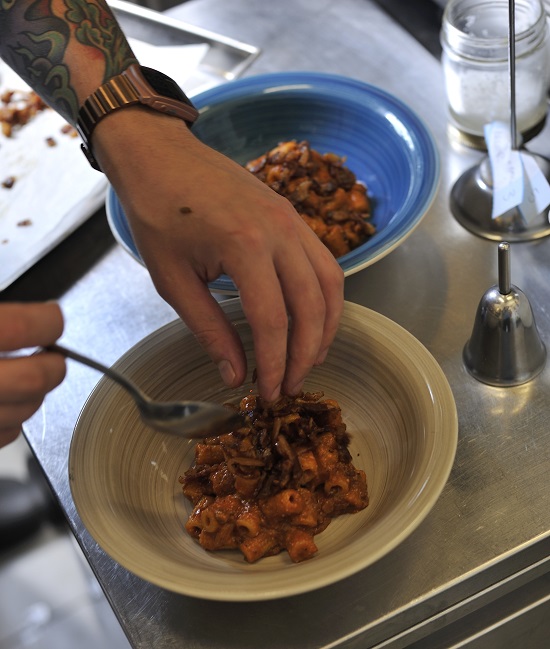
{"points": [[505, 348], [421, 18], [25, 506]]}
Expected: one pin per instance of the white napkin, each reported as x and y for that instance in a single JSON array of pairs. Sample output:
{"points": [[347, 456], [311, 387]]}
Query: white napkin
{"points": [[55, 188]]}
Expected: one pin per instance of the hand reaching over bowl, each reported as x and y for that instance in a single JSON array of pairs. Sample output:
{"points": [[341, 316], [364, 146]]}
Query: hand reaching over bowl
{"points": [[208, 216], [383, 142]]}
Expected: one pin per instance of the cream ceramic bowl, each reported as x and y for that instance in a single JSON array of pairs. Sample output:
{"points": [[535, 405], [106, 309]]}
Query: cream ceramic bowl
{"points": [[398, 408]]}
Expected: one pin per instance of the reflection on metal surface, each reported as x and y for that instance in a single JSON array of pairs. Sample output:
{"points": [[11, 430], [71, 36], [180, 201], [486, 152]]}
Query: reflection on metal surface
{"points": [[503, 405], [472, 202]]}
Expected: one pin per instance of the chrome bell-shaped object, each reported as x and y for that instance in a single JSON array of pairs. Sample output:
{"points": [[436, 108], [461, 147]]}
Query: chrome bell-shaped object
{"points": [[505, 348]]}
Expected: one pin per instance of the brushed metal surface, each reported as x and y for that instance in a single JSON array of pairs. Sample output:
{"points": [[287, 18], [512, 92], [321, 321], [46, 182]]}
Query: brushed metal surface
{"points": [[492, 519]]}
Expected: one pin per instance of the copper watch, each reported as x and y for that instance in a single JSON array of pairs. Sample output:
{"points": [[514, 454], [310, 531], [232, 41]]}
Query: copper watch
{"points": [[136, 85]]}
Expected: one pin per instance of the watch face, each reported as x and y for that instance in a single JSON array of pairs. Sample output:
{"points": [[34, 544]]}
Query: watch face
{"points": [[163, 84]]}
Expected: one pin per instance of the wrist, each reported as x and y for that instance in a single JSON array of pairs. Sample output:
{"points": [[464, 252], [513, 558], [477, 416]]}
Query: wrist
{"points": [[128, 141]]}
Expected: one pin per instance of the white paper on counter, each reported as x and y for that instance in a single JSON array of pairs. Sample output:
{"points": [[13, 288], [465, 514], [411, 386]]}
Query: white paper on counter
{"points": [[517, 179], [55, 188], [177, 61]]}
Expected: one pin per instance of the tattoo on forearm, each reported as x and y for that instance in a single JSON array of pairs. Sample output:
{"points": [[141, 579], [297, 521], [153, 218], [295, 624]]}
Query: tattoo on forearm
{"points": [[34, 41], [96, 27]]}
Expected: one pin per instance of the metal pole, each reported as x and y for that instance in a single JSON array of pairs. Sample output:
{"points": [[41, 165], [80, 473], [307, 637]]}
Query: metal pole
{"points": [[512, 67]]}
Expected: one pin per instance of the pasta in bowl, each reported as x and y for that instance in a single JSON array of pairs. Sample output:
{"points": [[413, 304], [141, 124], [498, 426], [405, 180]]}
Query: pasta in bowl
{"points": [[400, 415], [274, 481]]}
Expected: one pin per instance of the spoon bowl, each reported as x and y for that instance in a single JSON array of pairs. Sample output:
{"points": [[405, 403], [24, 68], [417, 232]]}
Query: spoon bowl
{"points": [[189, 419]]}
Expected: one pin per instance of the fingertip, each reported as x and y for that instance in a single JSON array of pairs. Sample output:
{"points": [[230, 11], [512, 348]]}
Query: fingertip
{"points": [[271, 395], [321, 357], [228, 374], [9, 435], [61, 371], [294, 390], [49, 314]]}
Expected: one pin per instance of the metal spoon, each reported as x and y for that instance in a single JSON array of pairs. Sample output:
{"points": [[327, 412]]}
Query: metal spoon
{"points": [[190, 419]]}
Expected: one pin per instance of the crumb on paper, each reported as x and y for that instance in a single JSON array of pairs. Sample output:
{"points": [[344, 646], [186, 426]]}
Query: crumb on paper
{"points": [[50, 141], [9, 182], [17, 108], [68, 129], [24, 223]]}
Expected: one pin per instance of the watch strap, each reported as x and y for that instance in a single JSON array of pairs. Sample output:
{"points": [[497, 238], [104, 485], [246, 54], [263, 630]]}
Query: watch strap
{"points": [[132, 87]]}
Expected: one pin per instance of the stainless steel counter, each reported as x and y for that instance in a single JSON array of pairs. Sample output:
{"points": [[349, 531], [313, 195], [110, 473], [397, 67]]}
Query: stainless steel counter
{"points": [[487, 539]]}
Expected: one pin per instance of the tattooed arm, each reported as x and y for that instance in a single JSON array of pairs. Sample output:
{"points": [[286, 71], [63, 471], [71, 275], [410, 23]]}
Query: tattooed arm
{"points": [[233, 223], [48, 43]]}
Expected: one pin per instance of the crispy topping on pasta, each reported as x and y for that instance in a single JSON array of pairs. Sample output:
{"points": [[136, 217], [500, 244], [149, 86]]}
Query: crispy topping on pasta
{"points": [[323, 191], [277, 481]]}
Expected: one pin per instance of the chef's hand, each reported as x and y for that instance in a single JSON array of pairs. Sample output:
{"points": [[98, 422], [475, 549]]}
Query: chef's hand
{"points": [[25, 380], [194, 215]]}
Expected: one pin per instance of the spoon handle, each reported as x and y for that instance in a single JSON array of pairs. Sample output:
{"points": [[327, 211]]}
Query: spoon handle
{"points": [[115, 376]]}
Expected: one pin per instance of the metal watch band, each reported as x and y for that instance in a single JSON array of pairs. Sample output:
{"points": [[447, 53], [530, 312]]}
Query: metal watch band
{"points": [[128, 89]]}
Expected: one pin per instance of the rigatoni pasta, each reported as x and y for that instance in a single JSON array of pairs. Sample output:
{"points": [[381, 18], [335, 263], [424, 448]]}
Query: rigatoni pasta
{"points": [[275, 482]]}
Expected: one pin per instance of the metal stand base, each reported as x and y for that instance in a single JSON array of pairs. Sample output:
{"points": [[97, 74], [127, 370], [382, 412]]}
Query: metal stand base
{"points": [[456, 134], [472, 202]]}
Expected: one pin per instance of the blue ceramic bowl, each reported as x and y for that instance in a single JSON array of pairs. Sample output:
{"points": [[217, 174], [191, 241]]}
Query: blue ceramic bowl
{"points": [[385, 144]]}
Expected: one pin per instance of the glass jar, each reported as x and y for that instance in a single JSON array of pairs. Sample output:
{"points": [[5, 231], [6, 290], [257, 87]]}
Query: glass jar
{"points": [[474, 37]]}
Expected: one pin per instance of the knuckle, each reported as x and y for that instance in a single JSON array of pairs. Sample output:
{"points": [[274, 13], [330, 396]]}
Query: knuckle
{"points": [[301, 357], [212, 340], [207, 338], [333, 277], [317, 313], [277, 321]]}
